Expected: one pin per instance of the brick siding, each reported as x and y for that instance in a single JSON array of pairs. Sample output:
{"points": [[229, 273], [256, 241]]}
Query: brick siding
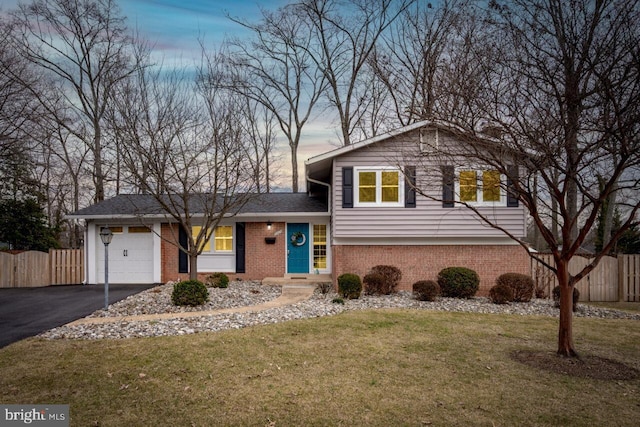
{"points": [[262, 259], [424, 262]]}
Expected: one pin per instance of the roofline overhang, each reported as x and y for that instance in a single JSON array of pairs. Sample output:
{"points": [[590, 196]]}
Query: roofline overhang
{"points": [[170, 218]]}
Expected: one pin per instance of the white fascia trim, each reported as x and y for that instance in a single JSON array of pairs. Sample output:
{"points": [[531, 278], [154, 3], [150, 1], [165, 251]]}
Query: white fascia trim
{"points": [[276, 215], [166, 218]]}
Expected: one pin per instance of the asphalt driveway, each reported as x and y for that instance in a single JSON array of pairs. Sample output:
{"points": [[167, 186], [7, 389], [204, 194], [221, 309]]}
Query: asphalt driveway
{"points": [[25, 312]]}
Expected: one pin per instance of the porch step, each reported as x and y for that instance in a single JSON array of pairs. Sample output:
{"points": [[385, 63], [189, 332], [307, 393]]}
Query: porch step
{"points": [[298, 279]]}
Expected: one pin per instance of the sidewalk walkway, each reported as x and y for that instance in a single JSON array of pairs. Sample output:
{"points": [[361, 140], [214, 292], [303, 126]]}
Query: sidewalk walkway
{"points": [[291, 294]]}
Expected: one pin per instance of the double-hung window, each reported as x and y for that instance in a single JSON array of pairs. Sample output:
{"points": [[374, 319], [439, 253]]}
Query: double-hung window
{"points": [[378, 187], [222, 237], [481, 187]]}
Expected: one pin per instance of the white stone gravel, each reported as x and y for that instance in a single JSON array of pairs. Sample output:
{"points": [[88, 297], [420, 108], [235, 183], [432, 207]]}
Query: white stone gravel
{"points": [[252, 293]]}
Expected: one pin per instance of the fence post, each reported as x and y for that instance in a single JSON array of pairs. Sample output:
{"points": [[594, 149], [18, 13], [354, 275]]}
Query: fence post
{"points": [[621, 278]]}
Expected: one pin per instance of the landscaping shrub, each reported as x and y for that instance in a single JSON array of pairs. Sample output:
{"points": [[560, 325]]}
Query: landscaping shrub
{"points": [[349, 286], [426, 290], [325, 287], [501, 293], [218, 280], [556, 297], [373, 284], [458, 282], [521, 285], [338, 300], [189, 292], [386, 284]]}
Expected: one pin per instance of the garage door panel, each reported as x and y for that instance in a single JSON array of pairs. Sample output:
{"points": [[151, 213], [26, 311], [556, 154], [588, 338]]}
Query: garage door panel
{"points": [[130, 257]]}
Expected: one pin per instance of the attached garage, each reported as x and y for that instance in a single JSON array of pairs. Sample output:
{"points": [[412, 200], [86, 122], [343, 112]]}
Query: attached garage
{"points": [[130, 255]]}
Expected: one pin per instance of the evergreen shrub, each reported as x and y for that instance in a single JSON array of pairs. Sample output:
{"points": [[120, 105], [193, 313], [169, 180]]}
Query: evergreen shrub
{"points": [[458, 282], [189, 292]]}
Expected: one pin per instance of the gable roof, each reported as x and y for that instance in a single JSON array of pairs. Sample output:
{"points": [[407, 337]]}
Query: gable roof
{"points": [[319, 166], [136, 205]]}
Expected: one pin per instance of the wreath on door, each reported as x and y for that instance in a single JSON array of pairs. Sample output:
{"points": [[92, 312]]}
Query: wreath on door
{"points": [[298, 238]]}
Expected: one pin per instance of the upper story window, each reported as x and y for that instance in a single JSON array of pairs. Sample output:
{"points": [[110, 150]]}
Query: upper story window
{"points": [[378, 187], [481, 187]]}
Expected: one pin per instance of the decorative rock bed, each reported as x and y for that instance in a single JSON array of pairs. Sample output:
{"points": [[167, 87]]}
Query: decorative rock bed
{"points": [[239, 294]]}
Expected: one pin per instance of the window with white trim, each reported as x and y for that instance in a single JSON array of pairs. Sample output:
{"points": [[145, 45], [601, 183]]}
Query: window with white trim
{"points": [[378, 187], [481, 187]]}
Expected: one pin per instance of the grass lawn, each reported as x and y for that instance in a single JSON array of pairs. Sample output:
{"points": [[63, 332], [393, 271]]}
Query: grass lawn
{"points": [[373, 368]]}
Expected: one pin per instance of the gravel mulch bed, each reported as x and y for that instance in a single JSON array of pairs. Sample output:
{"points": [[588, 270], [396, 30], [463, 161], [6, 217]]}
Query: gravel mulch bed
{"points": [[158, 300]]}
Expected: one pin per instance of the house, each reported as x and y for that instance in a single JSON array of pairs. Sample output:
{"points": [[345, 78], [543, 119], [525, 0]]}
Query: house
{"points": [[361, 209]]}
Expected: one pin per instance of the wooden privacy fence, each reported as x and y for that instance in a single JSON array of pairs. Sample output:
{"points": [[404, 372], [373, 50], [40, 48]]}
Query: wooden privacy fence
{"points": [[33, 269], [613, 279]]}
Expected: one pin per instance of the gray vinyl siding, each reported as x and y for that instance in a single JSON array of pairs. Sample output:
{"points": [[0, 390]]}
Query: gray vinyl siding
{"points": [[428, 219]]}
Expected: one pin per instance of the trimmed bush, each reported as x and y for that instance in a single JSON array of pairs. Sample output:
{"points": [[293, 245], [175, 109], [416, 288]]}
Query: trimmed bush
{"points": [[458, 282], [218, 280], [501, 293], [189, 292], [521, 285], [426, 290], [349, 286], [386, 284], [374, 284], [556, 297]]}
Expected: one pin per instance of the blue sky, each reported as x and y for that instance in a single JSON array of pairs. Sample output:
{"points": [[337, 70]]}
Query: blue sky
{"points": [[175, 25]]}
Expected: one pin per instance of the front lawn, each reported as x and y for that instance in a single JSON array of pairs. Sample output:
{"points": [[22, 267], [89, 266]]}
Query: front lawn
{"points": [[385, 367]]}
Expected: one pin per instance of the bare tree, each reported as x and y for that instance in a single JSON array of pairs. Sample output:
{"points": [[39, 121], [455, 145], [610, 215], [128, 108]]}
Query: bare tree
{"points": [[84, 46], [344, 38], [562, 103], [184, 146], [276, 69], [412, 58]]}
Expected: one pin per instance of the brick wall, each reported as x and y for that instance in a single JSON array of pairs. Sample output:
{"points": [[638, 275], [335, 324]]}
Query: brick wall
{"points": [[262, 259], [424, 262]]}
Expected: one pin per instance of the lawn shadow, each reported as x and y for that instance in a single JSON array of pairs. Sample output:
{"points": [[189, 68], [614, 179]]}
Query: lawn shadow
{"points": [[587, 366]]}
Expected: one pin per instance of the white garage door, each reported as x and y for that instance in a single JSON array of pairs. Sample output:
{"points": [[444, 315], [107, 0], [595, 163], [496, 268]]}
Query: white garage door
{"points": [[130, 255]]}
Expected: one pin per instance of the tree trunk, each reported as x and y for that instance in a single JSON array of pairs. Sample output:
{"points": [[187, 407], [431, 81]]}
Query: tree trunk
{"points": [[294, 168], [97, 165], [565, 331], [193, 266]]}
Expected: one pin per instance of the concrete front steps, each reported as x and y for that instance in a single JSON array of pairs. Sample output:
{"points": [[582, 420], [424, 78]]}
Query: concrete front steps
{"points": [[298, 279]]}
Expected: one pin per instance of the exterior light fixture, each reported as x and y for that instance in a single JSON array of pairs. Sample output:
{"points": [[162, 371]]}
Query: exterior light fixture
{"points": [[106, 235], [269, 225]]}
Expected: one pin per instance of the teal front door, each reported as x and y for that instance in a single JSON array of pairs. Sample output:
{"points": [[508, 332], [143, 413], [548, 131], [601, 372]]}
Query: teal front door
{"points": [[298, 243]]}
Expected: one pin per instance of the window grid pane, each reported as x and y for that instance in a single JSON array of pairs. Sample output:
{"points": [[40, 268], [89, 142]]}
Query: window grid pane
{"points": [[491, 186], [319, 246], [468, 186], [390, 192], [224, 238], [367, 187], [195, 230]]}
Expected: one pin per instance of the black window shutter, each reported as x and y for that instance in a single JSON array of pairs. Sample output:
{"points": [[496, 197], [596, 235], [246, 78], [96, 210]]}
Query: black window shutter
{"points": [[240, 248], [347, 187], [448, 177], [183, 259], [410, 187], [512, 195]]}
